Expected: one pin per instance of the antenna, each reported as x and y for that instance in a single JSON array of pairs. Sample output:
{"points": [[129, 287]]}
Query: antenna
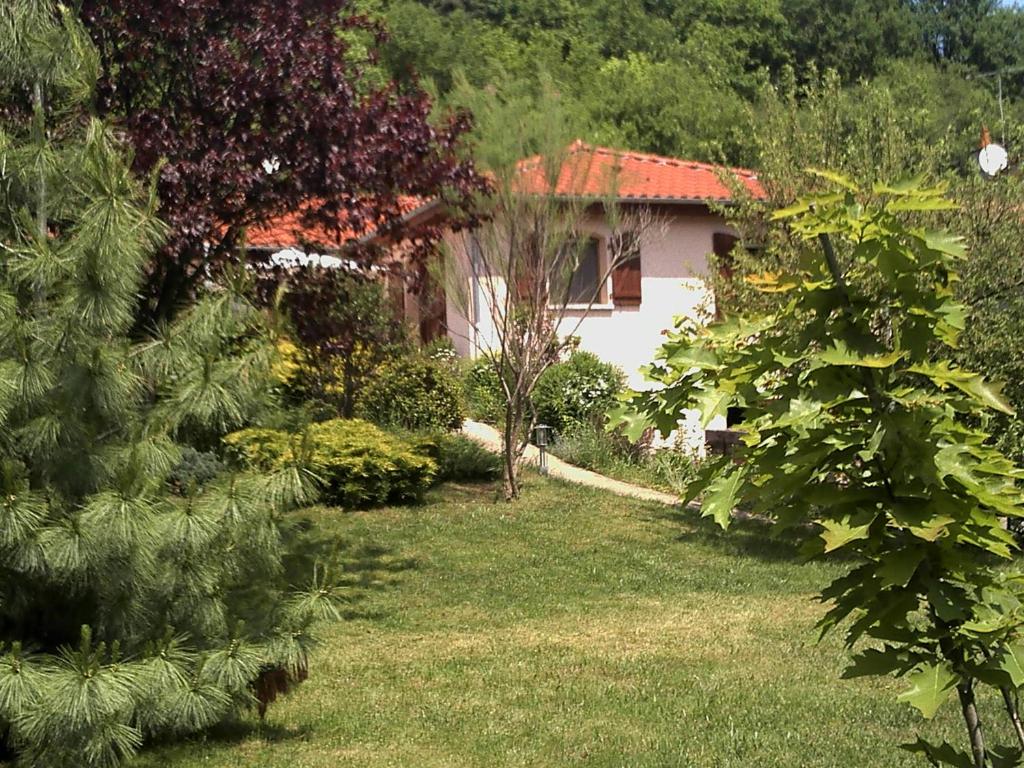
{"points": [[998, 75]]}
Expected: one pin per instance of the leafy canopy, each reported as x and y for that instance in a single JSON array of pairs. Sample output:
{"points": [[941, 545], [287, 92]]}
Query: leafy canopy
{"points": [[254, 109]]}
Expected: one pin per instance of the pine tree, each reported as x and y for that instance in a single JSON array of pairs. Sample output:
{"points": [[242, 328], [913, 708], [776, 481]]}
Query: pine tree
{"points": [[126, 610]]}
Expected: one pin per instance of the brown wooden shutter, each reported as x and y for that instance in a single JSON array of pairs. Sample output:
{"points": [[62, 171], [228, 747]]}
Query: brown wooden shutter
{"points": [[433, 311], [723, 243], [524, 285], [627, 274]]}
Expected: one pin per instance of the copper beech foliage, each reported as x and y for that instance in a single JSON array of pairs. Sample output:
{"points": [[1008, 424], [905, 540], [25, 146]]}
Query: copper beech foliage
{"points": [[220, 91], [858, 427]]}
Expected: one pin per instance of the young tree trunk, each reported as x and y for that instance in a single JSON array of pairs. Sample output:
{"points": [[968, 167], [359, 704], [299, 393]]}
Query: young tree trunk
{"points": [[969, 707], [511, 449], [1012, 711], [39, 102]]}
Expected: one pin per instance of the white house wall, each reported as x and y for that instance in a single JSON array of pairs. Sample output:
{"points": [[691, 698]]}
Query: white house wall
{"points": [[673, 282], [673, 274]]}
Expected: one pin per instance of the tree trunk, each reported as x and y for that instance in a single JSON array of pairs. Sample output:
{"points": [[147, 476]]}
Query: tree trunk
{"points": [[969, 707], [39, 102], [510, 440], [1012, 711]]}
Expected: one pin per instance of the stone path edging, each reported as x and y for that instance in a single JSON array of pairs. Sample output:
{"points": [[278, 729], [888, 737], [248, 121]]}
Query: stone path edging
{"points": [[490, 438]]}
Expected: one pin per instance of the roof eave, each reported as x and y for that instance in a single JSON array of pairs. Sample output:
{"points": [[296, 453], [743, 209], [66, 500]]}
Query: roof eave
{"points": [[422, 210], [677, 200]]}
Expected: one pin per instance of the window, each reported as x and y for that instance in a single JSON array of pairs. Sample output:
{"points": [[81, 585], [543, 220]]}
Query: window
{"points": [[585, 287]]}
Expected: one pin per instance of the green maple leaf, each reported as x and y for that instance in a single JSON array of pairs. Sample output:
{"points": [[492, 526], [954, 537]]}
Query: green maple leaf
{"points": [[835, 178], [897, 567], [840, 355], [1011, 661], [931, 685], [633, 424], [970, 383], [952, 245], [875, 662], [940, 754], [839, 533], [712, 402], [721, 497]]}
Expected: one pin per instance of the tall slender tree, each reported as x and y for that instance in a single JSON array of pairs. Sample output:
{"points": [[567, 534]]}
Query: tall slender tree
{"points": [[530, 274], [858, 425]]}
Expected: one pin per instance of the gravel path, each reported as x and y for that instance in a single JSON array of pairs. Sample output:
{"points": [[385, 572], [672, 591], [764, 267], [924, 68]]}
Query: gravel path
{"points": [[488, 436]]}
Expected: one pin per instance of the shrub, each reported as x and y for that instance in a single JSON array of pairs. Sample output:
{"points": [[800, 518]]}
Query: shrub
{"points": [[482, 392], [194, 470], [413, 393], [442, 351], [459, 458], [344, 327], [593, 448], [356, 464], [577, 391]]}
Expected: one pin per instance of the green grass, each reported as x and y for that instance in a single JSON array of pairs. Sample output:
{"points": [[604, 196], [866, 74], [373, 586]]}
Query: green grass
{"points": [[573, 628], [592, 448]]}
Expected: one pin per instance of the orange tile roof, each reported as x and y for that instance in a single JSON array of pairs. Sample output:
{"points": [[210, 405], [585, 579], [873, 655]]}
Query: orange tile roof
{"points": [[587, 171], [591, 171], [289, 230]]}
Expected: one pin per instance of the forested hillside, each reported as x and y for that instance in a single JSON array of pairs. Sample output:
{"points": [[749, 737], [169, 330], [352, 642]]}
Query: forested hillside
{"points": [[696, 78]]}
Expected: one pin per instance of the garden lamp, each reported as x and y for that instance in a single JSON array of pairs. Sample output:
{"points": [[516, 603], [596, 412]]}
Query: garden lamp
{"points": [[541, 436]]}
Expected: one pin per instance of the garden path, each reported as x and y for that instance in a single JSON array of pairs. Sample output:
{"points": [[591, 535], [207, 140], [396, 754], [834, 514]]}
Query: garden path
{"points": [[489, 437]]}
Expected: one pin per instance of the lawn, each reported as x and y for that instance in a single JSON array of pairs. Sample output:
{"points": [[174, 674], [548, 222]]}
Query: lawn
{"points": [[574, 628]]}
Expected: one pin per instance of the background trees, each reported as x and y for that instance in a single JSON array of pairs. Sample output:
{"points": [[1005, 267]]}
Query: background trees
{"points": [[992, 285], [627, 67], [250, 110]]}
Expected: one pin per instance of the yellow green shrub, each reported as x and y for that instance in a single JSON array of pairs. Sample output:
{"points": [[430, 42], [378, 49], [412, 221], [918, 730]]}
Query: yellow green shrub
{"points": [[357, 464]]}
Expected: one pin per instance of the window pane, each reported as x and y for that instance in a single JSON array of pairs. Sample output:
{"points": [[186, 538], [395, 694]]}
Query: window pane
{"points": [[583, 288]]}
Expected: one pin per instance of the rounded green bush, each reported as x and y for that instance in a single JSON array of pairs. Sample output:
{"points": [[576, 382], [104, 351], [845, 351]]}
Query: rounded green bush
{"points": [[413, 393], [576, 392], [358, 464], [459, 458]]}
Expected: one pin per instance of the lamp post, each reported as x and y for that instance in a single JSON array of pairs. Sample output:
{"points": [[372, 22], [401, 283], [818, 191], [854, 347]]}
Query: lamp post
{"points": [[541, 436]]}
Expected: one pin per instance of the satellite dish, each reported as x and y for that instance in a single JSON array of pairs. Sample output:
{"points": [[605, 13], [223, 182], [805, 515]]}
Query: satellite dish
{"points": [[992, 159]]}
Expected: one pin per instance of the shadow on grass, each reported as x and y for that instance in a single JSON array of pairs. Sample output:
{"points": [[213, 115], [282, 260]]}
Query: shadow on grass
{"points": [[747, 536], [464, 491], [233, 732], [357, 566]]}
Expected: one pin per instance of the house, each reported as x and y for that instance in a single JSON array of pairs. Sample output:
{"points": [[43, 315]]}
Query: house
{"points": [[637, 301], [667, 278]]}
